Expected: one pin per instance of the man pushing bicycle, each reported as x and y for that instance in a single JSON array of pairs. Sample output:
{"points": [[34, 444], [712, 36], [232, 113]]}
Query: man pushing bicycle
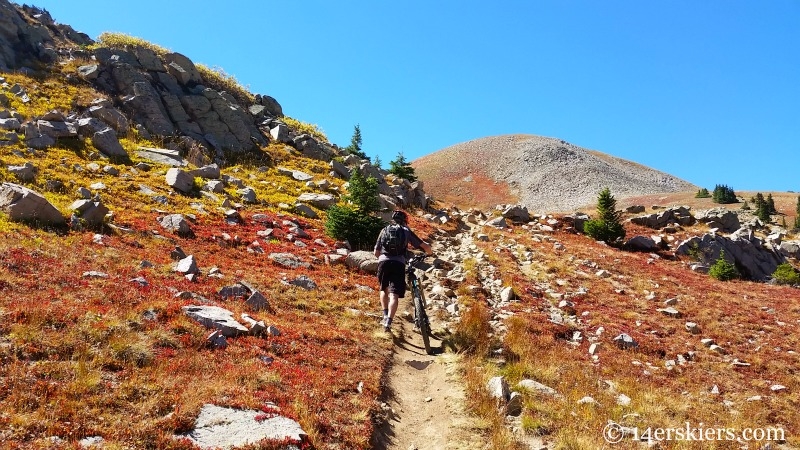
{"points": [[391, 250]]}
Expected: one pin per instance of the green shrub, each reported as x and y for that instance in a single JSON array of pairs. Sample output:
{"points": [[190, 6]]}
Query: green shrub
{"points": [[608, 226], [359, 229], [722, 269], [786, 274], [702, 193], [723, 194]]}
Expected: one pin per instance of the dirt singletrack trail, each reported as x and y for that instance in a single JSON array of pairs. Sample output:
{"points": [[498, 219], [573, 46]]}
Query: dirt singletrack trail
{"points": [[424, 398]]}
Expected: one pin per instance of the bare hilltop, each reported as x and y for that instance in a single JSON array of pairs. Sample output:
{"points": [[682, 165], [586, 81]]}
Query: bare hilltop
{"points": [[544, 174]]}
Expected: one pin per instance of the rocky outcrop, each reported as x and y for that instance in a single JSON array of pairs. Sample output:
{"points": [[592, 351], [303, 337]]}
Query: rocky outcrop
{"points": [[676, 215], [755, 258], [720, 218]]}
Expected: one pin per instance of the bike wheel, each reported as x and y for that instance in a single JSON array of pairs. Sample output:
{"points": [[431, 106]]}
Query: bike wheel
{"points": [[422, 323]]}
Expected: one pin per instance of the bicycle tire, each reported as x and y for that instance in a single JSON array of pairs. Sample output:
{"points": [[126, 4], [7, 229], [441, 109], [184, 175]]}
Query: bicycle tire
{"points": [[422, 323]]}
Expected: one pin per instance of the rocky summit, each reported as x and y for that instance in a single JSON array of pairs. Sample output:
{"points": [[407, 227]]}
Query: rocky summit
{"points": [[542, 173]]}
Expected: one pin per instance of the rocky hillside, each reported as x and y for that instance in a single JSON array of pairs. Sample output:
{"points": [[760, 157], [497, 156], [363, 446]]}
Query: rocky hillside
{"points": [[545, 174]]}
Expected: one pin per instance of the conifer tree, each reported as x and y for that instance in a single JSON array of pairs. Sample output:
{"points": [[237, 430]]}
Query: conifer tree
{"points": [[355, 221], [771, 204], [355, 143], [797, 215], [608, 226], [702, 193], [402, 168], [762, 208]]}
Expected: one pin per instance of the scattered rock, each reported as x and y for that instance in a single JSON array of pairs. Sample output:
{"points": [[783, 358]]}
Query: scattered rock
{"points": [[625, 342], [304, 282], [692, 327], [640, 244], [186, 266], [498, 388], [24, 173], [216, 318], [257, 302], [90, 213], [362, 260], [288, 260], [177, 224], [180, 180], [535, 386], [218, 427], [321, 201]]}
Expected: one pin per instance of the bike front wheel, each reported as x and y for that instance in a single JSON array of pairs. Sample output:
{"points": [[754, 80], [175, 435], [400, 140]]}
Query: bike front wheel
{"points": [[422, 323]]}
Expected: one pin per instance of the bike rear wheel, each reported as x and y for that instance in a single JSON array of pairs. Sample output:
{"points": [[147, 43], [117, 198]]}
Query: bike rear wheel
{"points": [[422, 323]]}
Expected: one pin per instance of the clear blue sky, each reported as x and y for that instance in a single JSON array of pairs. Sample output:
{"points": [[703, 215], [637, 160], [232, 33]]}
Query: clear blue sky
{"points": [[706, 90]]}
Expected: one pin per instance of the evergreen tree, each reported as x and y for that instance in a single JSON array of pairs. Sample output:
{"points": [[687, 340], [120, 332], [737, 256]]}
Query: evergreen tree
{"points": [[363, 193], [723, 194], [722, 269], [746, 206], [797, 215], [702, 193], [355, 221], [762, 208], [771, 204], [608, 226], [376, 161], [402, 168], [355, 143]]}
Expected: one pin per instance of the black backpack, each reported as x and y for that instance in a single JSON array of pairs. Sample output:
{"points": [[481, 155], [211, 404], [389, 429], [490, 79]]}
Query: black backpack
{"points": [[393, 240]]}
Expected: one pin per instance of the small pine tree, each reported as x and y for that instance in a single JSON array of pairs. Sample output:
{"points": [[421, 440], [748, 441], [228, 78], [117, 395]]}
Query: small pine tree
{"points": [[762, 208], [797, 215], [723, 194], [783, 222], [355, 143], [771, 204], [376, 161], [355, 221], [786, 274], [363, 193], [702, 193], [746, 206], [722, 269], [608, 226], [402, 168]]}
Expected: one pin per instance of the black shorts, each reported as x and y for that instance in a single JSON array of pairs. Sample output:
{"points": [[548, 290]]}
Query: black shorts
{"points": [[392, 276]]}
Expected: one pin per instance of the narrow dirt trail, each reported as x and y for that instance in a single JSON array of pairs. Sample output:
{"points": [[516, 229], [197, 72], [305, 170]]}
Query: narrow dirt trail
{"points": [[424, 399]]}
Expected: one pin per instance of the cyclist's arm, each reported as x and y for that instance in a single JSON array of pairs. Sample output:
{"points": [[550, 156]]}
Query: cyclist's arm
{"points": [[378, 249], [419, 243]]}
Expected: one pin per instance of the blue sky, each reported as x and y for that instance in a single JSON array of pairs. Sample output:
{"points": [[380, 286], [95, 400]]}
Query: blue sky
{"points": [[706, 90]]}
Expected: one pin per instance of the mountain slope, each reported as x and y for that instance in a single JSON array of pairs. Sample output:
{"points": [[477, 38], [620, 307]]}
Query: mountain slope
{"points": [[540, 172]]}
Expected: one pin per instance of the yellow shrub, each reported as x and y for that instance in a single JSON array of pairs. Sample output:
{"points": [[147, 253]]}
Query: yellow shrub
{"points": [[303, 127], [219, 80], [123, 41]]}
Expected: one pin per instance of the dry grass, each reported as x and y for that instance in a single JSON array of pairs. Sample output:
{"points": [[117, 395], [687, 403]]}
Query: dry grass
{"points": [[754, 322], [85, 356]]}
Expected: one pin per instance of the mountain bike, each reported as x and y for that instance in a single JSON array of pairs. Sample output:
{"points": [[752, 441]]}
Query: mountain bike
{"points": [[420, 316]]}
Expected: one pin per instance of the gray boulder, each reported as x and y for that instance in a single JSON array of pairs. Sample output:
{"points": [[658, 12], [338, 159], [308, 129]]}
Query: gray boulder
{"points": [[217, 318], [340, 169], [304, 282], [24, 173], [177, 224], [280, 133], [107, 142], [288, 260], [498, 389], [625, 342], [23, 204], [110, 116], [209, 172], [183, 69], [635, 209], [362, 260], [640, 244], [186, 266], [578, 221], [218, 427], [180, 180], [11, 124], [721, 218], [321, 201], [91, 213], [305, 210], [497, 222], [755, 259], [517, 213], [248, 195], [791, 249], [57, 129]]}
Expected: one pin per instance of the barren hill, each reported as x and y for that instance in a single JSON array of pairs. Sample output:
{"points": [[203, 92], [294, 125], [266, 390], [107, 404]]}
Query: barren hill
{"points": [[540, 172]]}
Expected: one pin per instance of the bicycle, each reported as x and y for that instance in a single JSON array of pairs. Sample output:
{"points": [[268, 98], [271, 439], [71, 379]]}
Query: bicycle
{"points": [[420, 316]]}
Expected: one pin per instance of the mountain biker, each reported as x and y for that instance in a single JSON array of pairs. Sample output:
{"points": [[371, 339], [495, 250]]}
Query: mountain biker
{"points": [[392, 263]]}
